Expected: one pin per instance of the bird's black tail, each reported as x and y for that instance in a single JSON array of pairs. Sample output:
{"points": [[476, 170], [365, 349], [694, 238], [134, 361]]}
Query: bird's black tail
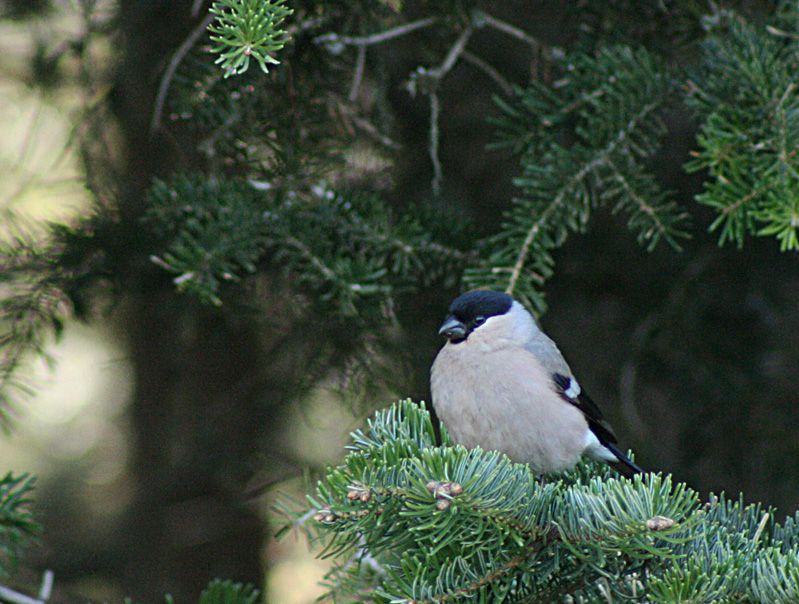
{"points": [[625, 466]]}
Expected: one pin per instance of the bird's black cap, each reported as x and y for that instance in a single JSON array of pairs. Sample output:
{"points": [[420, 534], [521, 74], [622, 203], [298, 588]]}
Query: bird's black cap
{"points": [[480, 302]]}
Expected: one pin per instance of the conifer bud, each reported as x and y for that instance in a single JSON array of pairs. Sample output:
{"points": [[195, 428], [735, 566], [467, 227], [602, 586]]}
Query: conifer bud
{"points": [[659, 523]]}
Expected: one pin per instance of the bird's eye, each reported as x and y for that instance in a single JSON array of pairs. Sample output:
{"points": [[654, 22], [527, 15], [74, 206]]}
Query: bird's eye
{"points": [[478, 320]]}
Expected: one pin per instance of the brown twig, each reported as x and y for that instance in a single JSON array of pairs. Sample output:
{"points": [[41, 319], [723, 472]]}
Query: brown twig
{"points": [[378, 38], [169, 73]]}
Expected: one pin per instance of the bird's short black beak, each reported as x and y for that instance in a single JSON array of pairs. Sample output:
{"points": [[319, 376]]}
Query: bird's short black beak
{"points": [[453, 330]]}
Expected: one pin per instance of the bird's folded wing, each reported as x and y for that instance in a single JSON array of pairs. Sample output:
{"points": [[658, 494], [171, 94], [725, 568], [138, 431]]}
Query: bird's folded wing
{"points": [[571, 392]]}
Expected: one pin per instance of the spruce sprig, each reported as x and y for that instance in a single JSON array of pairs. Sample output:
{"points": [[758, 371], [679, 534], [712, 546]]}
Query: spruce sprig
{"points": [[229, 592], [17, 526], [583, 141], [245, 29], [347, 248], [747, 96]]}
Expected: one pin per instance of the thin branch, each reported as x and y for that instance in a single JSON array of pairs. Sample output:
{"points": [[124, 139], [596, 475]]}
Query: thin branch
{"points": [[438, 173], [14, 597], [727, 210], [642, 203], [489, 70], [584, 98], [377, 38], [362, 556], [368, 127], [195, 8], [435, 106], [507, 567], [510, 30], [305, 25], [46, 590], [301, 520], [174, 62], [453, 55], [33, 126], [360, 62], [457, 49], [313, 259]]}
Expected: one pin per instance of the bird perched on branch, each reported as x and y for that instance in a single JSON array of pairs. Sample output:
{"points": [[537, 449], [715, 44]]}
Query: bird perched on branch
{"points": [[502, 384]]}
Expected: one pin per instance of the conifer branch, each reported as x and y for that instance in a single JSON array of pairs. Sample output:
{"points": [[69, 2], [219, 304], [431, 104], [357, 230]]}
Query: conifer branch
{"points": [[748, 133], [746, 199], [601, 158], [16, 520], [498, 572], [212, 232], [446, 539], [245, 29], [33, 312]]}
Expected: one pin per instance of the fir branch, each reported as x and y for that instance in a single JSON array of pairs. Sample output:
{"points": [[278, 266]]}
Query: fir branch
{"points": [[348, 249], [229, 592], [447, 540], [211, 232], [498, 572], [656, 220], [601, 158], [248, 28], [17, 526], [609, 105], [32, 308], [313, 260], [746, 96]]}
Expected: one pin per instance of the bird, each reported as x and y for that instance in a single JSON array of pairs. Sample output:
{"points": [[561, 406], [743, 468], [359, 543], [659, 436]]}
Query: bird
{"points": [[500, 383]]}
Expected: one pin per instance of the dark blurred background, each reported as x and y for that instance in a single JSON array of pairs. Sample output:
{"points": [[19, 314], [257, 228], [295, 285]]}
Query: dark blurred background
{"points": [[166, 427]]}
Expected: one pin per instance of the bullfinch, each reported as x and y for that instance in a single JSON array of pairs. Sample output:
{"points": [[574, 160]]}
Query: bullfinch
{"points": [[501, 383]]}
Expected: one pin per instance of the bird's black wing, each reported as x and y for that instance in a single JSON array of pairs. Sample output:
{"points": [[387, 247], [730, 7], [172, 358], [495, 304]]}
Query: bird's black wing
{"points": [[596, 422], [589, 408]]}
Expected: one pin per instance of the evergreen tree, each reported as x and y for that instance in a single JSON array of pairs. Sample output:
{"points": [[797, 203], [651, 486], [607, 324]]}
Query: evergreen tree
{"points": [[260, 224]]}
